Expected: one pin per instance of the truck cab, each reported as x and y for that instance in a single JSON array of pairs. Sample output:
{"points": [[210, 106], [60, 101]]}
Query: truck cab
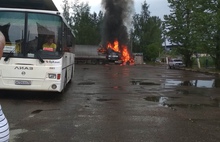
{"points": [[114, 57]]}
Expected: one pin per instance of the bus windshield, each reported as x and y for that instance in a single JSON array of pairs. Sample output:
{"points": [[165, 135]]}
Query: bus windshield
{"points": [[30, 35]]}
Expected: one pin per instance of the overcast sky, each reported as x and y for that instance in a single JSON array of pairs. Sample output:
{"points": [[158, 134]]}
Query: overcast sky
{"points": [[156, 7]]}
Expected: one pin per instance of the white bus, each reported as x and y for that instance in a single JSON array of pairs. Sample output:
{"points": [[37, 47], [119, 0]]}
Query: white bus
{"points": [[26, 65]]}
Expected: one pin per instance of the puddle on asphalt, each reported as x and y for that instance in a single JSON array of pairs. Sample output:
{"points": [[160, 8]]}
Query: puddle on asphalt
{"points": [[33, 113], [36, 111], [143, 83], [213, 83], [193, 105], [193, 91], [86, 83], [183, 92], [162, 101], [14, 134], [104, 100]]}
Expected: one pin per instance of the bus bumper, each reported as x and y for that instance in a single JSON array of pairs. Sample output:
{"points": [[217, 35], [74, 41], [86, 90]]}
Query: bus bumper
{"points": [[30, 85]]}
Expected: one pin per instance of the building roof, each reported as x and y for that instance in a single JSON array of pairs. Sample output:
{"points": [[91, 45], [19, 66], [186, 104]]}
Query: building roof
{"points": [[29, 4]]}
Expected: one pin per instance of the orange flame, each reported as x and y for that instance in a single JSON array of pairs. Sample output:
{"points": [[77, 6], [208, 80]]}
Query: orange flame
{"points": [[124, 50], [114, 46], [125, 54]]}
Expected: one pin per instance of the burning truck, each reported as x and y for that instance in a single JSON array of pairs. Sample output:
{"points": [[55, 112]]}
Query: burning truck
{"points": [[117, 17], [111, 55], [113, 47], [90, 54], [114, 54]]}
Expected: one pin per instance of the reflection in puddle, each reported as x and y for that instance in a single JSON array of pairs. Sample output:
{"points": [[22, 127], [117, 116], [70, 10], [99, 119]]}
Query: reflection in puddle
{"points": [[213, 83], [163, 101]]}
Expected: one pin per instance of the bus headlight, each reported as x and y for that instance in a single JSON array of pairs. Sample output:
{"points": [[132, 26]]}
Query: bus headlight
{"points": [[52, 76]]}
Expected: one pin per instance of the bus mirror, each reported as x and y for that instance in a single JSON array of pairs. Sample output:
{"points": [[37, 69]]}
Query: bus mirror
{"points": [[69, 41]]}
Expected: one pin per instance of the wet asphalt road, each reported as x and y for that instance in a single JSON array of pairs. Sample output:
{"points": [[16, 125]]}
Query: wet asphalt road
{"points": [[111, 103]]}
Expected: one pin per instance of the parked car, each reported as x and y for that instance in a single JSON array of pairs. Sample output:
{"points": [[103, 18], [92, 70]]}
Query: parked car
{"points": [[175, 63], [157, 61]]}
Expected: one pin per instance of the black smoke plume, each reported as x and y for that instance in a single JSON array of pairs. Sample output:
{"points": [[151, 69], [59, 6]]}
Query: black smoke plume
{"points": [[117, 18]]}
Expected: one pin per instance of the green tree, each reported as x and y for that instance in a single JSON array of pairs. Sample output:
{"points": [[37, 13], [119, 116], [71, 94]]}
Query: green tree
{"points": [[66, 11], [181, 28], [97, 20], [195, 27], [208, 17], [85, 25], [147, 33], [216, 49], [153, 51]]}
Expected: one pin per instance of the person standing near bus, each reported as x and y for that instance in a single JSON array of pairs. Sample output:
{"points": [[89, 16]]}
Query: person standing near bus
{"points": [[4, 128], [49, 45]]}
